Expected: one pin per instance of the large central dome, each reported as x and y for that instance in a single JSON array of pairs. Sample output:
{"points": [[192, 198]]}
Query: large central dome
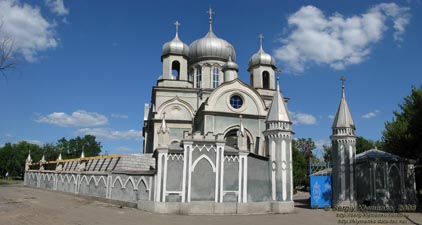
{"points": [[211, 47]]}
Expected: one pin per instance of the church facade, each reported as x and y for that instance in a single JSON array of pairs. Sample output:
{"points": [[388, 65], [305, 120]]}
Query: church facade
{"points": [[214, 137]]}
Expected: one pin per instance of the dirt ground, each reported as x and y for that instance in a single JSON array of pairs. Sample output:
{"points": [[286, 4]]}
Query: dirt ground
{"points": [[21, 206]]}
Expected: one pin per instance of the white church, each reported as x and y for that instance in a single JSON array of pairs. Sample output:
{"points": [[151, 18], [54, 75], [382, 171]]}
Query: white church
{"points": [[215, 137]]}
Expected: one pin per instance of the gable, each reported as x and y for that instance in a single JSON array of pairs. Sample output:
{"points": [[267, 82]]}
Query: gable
{"points": [[251, 102], [175, 109]]}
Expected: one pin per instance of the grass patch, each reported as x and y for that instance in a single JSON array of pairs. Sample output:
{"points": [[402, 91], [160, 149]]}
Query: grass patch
{"points": [[6, 182]]}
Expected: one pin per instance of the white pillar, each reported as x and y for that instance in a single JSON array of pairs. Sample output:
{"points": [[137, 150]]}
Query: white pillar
{"points": [[352, 176], [283, 170], [291, 171], [186, 147], [217, 170], [273, 170], [165, 157], [220, 148], [239, 193], [243, 174], [189, 173]]}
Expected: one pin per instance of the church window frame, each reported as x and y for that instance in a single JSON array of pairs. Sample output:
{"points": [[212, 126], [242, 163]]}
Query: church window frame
{"points": [[265, 80], [215, 77], [236, 102], [231, 136], [175, 69], [198, 76]]}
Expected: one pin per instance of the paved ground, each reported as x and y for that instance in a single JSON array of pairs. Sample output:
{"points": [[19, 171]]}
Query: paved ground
{"points": [[21, 206]]}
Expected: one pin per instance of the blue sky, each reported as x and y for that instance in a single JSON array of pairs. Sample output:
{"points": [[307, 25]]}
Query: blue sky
{"points": [[87, 67]]}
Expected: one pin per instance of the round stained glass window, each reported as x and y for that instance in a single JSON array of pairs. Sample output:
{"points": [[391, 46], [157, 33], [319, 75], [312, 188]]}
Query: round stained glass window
{"points": [[236, 101]]}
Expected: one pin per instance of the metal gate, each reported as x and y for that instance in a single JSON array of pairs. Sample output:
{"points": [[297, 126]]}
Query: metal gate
{"points": [[320, 185]]}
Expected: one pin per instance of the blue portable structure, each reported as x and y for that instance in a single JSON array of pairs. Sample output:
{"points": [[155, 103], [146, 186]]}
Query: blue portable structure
{"points": [[320, 185]]}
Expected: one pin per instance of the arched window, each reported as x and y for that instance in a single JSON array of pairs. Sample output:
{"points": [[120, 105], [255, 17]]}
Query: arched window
{"points": [[198, 77], [175, 142], [214, 77], [231, 139], [265, 80], [175, 69]]}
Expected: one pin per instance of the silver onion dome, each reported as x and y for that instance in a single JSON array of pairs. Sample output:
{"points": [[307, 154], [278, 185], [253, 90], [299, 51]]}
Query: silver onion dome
{"points": [[230, 65], [211, 47], [261, 57], [175, 46]]}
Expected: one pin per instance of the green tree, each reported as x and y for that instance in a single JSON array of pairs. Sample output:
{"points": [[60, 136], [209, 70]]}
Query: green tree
{"points": [[402, 136], [363, 144], [327, 153], [73, 148], [50, 151], [13, 156], [300, 167], [305, 146]]}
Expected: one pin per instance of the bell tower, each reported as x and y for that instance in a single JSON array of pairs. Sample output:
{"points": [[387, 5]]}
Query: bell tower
{"points": [[174, 58], [262, 69]]}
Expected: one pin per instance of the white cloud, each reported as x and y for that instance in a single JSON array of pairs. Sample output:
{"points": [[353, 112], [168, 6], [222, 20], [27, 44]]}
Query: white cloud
{"points": [[57, 7], [29, 30], [370, 115], [399, 16], [337, 41], [331, 116], [303, 118], [35, 142], [320, 143], [78, 118], [319, 150], [110, 134], [8, 135], [119, 116]]}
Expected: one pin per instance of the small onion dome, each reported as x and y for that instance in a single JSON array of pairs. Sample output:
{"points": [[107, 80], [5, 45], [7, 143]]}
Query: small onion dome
{"points": [[176, 47], [211, 47], [230, 65], [261, 58]]}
